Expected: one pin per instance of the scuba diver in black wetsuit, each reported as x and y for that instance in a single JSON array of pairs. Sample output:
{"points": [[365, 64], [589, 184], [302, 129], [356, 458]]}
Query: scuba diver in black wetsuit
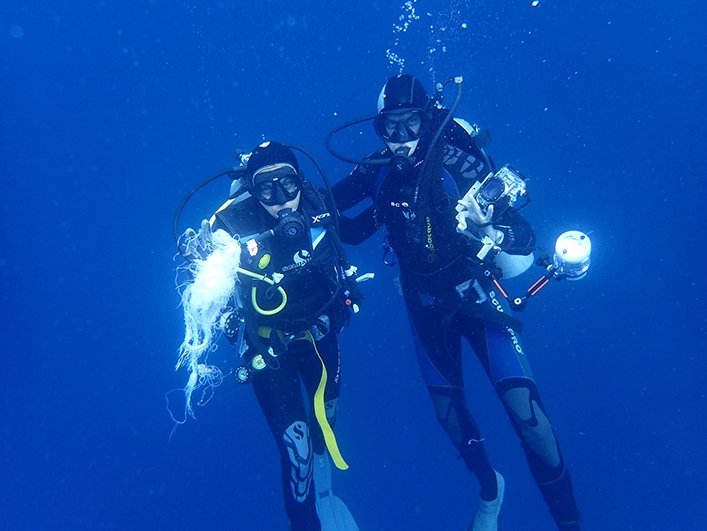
{"points": [[294, 293], [416, 184]]}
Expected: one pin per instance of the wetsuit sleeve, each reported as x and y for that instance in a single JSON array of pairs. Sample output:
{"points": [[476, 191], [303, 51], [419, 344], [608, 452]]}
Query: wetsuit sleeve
{"points": [[349, 192], [359, 228], [224, 222], [518, 235], [354, 188], [354, 229], [220, 220], [218, 224]]}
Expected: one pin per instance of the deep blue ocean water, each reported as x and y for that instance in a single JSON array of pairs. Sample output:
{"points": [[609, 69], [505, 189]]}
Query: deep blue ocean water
{"points": [[112, 111]]}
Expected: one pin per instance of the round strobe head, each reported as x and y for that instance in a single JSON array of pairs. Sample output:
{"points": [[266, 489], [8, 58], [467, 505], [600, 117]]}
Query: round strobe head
{"points": [[573, 250]]}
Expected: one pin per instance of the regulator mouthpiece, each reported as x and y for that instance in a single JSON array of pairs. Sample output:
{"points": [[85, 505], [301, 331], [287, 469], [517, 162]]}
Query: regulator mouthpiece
{"points": [[572, 254], [290, 224]]}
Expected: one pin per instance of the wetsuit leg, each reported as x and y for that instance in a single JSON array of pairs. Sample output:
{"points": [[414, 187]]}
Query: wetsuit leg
{"points": [[502, 355], [280, 397], [438, 351], [522, 402]]}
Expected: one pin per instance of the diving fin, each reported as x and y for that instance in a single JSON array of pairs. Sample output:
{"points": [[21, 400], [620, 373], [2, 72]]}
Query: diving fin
{"points": [[488, 512], [333, 513]]}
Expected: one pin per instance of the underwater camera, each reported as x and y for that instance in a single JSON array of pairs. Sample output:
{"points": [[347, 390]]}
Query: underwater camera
{"points": [[502, 189]]}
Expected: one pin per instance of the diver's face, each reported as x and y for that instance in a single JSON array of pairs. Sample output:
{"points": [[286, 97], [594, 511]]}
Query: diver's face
{"points": [[278, 187], [402, 122], [406, 148], [274, 209], [400, 130]]}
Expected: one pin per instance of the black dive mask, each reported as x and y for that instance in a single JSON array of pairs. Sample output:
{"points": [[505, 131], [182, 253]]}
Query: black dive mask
{"points": [[277, 190], [400, 126]]}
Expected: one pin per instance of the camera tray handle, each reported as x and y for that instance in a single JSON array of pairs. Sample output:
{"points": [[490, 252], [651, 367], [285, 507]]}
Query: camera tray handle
{"points": [[519, 303]]}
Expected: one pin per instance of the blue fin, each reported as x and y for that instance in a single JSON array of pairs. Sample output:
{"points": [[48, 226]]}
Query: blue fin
{"points": [[334, 515]]}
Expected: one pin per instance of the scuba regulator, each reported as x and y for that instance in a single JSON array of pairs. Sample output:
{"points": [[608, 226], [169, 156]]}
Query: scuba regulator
{"points": [[290, 225]]}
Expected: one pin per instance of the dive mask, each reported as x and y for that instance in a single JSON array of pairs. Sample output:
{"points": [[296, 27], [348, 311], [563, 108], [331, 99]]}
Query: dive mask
{"points": [[400, 126], [276, 185]]}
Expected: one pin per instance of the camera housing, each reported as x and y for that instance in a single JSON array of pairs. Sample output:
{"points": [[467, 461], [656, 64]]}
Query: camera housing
{"points": [[502, 189]]}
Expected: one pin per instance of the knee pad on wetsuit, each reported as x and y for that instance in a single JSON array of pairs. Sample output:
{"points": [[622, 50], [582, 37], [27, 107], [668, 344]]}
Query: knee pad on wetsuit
{"points": [[522, 402], [299, 450], [446, 408], [452, 414], [461, 429]]}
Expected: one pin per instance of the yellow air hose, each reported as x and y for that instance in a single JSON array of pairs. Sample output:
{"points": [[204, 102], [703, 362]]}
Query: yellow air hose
{"points": [[253, 291]]}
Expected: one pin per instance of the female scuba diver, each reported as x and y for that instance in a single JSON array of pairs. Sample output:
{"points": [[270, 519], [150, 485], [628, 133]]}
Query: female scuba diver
{"points": [[292, 293], [449, 247]]}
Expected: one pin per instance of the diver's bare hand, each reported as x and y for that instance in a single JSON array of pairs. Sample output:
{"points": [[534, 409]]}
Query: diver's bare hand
{"points": [[470, 217], [472, 213]]}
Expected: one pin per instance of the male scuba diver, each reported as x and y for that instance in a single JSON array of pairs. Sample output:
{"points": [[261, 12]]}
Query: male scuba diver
{"points": [[293, 295], [418, 185]]}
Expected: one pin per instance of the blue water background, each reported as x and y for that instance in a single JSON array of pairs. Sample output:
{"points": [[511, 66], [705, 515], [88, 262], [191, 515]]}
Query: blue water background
{"points": [[111, 111]]}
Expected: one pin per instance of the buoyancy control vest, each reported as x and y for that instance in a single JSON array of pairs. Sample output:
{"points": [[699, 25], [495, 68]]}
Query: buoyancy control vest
{"points": [[306, 267], [424, 236]]}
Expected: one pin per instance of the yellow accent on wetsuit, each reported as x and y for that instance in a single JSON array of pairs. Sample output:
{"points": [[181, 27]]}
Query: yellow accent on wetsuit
{"points": [[319, 407], [320, 413], [222, 207]]}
